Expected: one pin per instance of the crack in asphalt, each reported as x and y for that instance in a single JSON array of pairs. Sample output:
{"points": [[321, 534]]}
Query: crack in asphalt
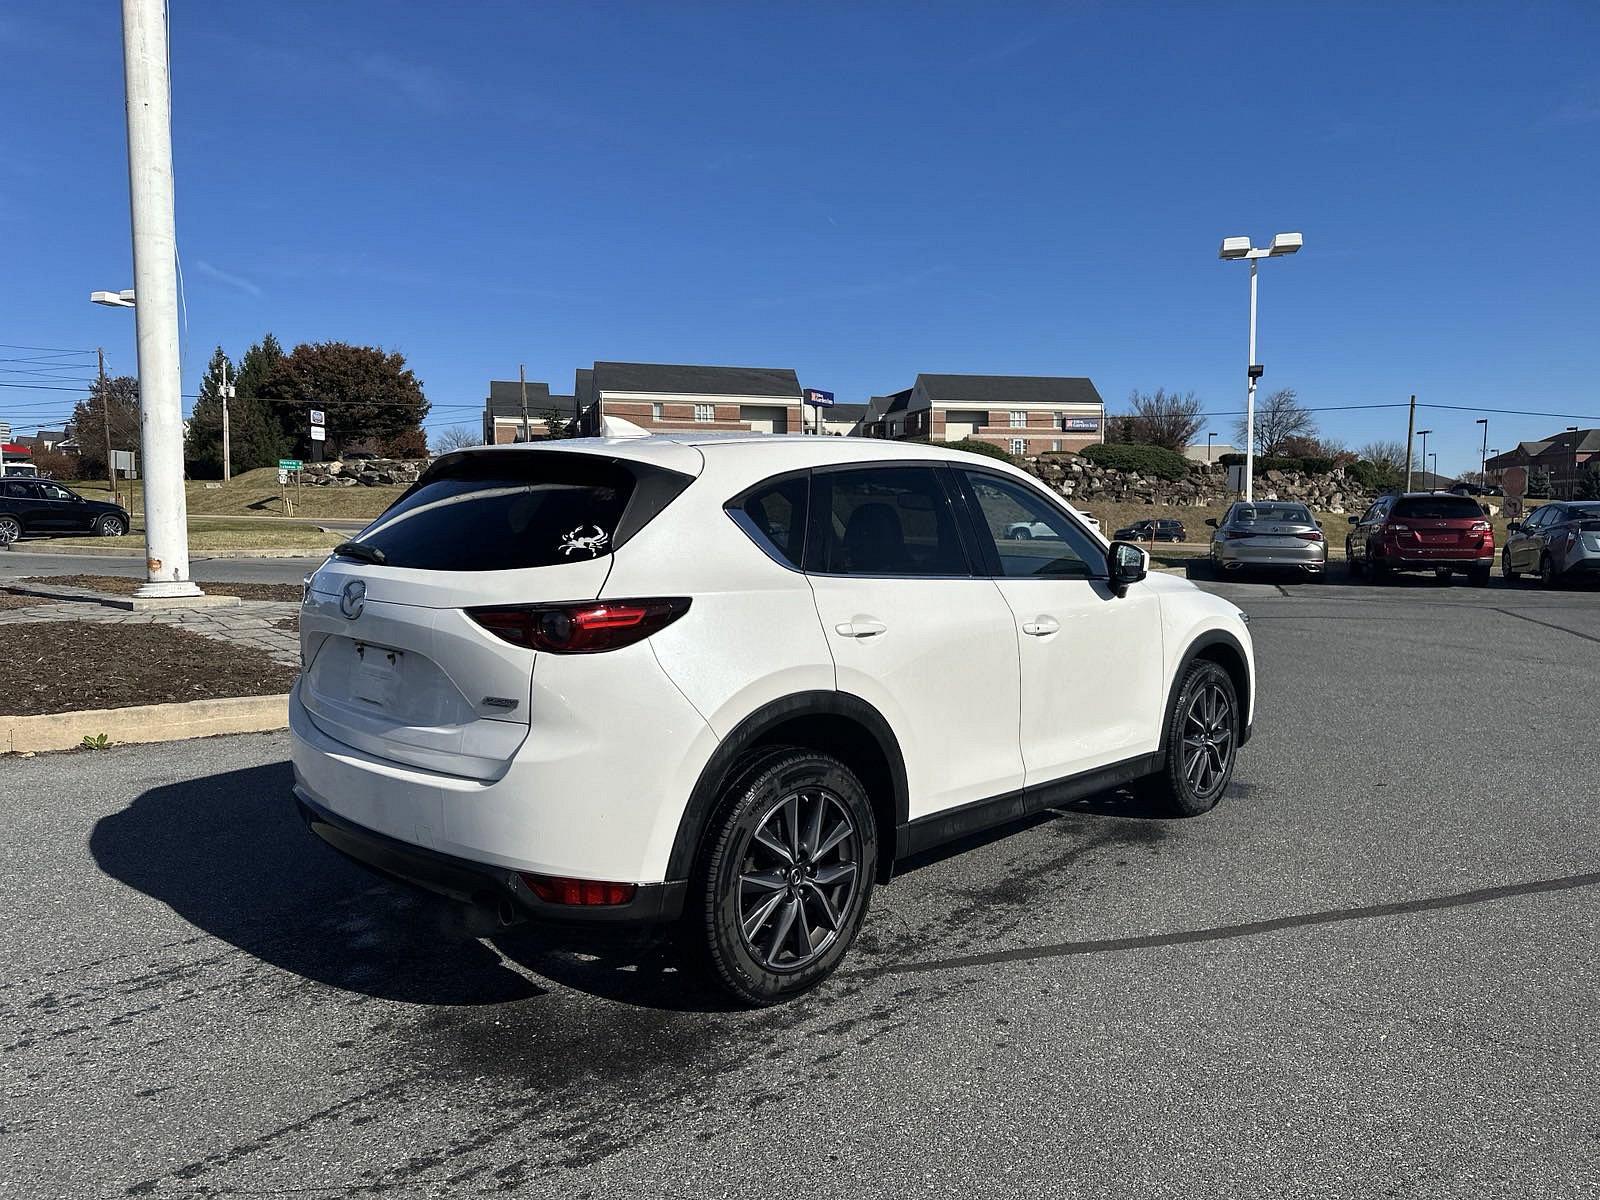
{"points": [[1225, 932], [1506, 612]]}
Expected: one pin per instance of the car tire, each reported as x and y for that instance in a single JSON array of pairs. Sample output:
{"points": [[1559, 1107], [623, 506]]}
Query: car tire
{"points": [[1548, 575], [1506, 568], [1205, 713], [1020, 535], [1353, 566], [10, 530], [764, 921], [1380, 570], [110, 526], [1478, 576]]}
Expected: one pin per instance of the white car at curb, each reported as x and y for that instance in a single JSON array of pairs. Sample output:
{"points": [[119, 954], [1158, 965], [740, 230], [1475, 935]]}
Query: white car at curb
{"points": [[729, 681]]}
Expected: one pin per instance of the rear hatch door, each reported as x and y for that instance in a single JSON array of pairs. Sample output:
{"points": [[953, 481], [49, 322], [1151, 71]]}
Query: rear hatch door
{"points": [[395, 665], [1442, 524]]}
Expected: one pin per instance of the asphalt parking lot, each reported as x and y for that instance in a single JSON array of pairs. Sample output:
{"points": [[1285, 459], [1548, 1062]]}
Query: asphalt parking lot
{"points": [[1371, 972]]}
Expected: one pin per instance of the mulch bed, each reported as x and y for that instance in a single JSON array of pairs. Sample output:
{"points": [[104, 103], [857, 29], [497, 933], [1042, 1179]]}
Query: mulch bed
{"points": [[117, 585], [61, 666]]}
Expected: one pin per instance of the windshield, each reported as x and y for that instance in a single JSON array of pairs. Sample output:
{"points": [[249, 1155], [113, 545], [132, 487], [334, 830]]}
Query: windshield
{"points": [[1275, 514]]}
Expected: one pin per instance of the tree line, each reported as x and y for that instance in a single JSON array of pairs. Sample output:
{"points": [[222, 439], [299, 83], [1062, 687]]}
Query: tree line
{"points": [[370, 398]]}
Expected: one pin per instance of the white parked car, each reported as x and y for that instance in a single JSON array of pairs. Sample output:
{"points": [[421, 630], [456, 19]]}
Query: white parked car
{"points": [[1019, 531], [731, 681]]}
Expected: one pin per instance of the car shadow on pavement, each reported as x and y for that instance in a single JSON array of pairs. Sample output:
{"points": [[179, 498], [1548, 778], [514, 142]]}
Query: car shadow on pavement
{"points": [[229, 854]]}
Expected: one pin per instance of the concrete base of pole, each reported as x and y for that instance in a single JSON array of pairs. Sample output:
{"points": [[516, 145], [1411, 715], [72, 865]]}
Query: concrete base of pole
{"points": [[139, 603], [168, 589]]}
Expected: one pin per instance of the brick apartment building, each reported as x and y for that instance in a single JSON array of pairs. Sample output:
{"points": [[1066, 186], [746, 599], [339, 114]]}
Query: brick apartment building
{"points": [[1025, 414]]}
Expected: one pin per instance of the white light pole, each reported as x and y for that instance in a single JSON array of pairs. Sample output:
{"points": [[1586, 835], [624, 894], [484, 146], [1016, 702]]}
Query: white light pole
{"points": [[155, 280], [1239, 247]]}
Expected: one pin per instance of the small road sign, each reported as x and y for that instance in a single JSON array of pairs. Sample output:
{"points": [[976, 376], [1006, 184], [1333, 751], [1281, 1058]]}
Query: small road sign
{"points": [[317, 417]]}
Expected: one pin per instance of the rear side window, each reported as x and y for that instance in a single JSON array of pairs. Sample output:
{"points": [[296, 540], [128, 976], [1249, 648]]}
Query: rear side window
{"points": [[884, 521], [774, 515], [1442, 507], [504, 511]]}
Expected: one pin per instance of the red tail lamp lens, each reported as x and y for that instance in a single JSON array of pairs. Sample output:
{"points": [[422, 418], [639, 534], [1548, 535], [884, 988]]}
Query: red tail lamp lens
{"points": [[1312, 536], [590, 893], [583, 628]]}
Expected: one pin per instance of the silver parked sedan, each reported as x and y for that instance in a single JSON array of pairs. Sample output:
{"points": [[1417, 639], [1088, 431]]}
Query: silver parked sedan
{"points": [[1268, 533]]}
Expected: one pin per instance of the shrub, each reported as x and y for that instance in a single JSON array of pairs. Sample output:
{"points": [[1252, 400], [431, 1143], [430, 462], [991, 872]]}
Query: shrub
{"points": [[988, 449], [1312, 465], [56, 465], [1146, 460]]}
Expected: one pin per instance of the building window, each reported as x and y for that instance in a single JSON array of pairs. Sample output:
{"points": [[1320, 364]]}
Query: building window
{"points": [[705, 412], [1055, 444], [655, 411], [1019, 445], [1019, 420]]}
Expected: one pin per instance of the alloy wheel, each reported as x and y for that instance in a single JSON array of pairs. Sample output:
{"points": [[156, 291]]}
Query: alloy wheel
{"points": [[1207, 739], [798, 880], [10, 530]]}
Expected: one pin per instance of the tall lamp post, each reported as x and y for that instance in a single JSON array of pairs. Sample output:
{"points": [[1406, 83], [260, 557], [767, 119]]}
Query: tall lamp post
{"points": [[1425, 433], [1210, 437], [1433, 471], [155, 278], [1239, 247], [1483, 456], [1572, 475]]}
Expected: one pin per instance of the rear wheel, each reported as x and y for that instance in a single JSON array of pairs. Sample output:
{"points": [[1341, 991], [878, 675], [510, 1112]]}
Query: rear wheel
{"points": [[787, 876], [1478, 576], [1506, 568], [10, 530], [1548, 575], [1380, 570], [1202, 742]]}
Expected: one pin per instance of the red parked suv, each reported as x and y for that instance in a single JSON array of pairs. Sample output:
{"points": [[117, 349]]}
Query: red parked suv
{"points": [[1422, 531]]}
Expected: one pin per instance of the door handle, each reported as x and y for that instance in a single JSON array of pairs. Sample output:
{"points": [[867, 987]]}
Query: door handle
{"points": [[861, 627], [1042, 626]]}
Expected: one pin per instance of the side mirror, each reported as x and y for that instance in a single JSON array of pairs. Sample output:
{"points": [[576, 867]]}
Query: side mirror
{"points": [[1354, 520], [1514, 527], [1211, 521], [1127, 564]]}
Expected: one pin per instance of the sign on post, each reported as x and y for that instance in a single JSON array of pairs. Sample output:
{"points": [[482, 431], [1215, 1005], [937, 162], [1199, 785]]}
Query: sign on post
{"points": [[317, 417], [318, 433], [817, 398], [288, 464]]}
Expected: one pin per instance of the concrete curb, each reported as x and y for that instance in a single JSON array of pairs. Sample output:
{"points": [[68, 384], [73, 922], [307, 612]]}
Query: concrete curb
{"points": [[145, 723], [110, 600], [194, 556]]}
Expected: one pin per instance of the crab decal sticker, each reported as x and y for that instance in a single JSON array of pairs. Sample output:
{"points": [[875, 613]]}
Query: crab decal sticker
{"points": [[576, 541]]}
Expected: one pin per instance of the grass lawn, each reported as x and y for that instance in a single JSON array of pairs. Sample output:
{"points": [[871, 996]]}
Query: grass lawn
{"points": [[255, 493], [245, 535]]}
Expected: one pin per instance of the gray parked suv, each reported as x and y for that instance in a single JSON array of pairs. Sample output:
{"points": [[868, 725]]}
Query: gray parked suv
{"points": [[1555, 542]]}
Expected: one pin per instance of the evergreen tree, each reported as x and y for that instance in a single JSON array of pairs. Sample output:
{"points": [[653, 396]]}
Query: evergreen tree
{"points": [[257, 439], [366, 392], [117, 404]]}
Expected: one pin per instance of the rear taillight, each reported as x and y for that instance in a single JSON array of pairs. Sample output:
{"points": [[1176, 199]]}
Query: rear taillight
{"points": [[1235, 535], [1397, 529], [582, 628], [1480, 527], [555, 889], [1310, 536]]}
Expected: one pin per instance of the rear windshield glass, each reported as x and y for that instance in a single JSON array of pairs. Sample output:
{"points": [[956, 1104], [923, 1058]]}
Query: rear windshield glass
{"points": [[1287, 514], [502, 511], [1443, 507]]}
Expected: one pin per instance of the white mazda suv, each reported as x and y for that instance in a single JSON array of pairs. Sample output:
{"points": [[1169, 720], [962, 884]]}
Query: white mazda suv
{"points": [[727, 682]]}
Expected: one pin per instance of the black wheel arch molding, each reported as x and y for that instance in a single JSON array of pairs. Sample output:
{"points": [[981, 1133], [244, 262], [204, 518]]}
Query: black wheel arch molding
{"points": [[1238, 669], [751, 740]]}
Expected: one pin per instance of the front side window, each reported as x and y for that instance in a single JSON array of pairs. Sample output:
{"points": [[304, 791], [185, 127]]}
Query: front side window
{"points": [[1032, 538], [705, 412], [884, 521], [53, 492]]}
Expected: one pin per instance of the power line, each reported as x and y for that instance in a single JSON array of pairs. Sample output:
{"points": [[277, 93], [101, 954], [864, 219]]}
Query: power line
{"points": [[45, 349]]}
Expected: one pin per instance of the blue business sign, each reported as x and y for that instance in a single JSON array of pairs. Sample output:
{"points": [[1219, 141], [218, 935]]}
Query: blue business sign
{"points": [[818, 399], [1080, 424]]}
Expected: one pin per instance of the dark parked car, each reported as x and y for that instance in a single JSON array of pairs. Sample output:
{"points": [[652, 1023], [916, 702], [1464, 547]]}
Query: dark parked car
{"points": [[1556, 541], [1422, 531], [1476, 489], [38, 506], [1140, 531]]}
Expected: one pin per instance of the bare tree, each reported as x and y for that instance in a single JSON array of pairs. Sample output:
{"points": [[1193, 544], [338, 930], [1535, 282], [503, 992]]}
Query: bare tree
{"points": [[1163, 418], [1279, 418], [1385, 455], [457, 437]]}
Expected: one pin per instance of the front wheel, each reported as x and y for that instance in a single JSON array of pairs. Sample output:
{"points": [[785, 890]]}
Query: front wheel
{"points": [[1353, 566], [1202, 743], [110, 526], [784, 885]]}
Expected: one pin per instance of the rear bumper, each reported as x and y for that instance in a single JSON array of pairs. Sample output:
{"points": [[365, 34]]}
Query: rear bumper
{"points": [[481, 884], [1234, 557], [1423, 560]]}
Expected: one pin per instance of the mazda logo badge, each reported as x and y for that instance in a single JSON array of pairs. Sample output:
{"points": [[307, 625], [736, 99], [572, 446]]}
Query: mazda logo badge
{"points": [[353, 599]]}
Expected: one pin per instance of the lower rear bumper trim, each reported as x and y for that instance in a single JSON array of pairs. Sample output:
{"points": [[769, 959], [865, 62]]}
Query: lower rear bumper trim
{"points": [[479, 884]]}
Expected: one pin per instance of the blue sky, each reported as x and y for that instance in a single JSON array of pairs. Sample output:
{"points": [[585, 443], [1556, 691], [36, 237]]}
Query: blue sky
{"points": [[859, 191]]}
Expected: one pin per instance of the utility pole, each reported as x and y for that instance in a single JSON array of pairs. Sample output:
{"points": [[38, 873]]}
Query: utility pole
{"points": [[155, 282], [1411, 432], [226, 393], [1483, 457], [105, 417], [522, 379]]}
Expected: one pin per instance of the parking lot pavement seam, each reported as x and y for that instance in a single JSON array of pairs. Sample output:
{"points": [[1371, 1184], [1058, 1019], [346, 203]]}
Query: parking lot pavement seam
{"points": [[1226, 932]]}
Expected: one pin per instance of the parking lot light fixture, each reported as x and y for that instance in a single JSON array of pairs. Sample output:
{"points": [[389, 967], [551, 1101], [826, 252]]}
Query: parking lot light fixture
{"points": [[1240, 248], [122, 299]]}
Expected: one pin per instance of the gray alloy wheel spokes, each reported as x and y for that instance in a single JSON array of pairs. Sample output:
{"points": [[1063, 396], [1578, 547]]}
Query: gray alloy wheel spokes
{"points": [[798, 879], [1207, 739]]}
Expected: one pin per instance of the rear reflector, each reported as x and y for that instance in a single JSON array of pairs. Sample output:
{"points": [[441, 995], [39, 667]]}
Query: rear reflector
{"points": [[587, 627], [555, 889]]}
